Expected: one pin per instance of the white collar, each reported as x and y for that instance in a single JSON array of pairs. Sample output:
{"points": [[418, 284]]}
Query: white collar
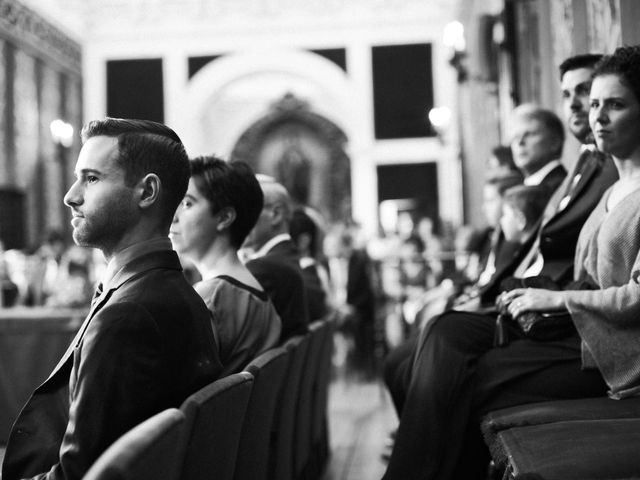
{"points": [[269, 244], [537, 177]]}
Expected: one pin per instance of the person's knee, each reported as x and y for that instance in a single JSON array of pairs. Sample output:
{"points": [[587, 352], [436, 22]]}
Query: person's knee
{"points": [[447, 325]]}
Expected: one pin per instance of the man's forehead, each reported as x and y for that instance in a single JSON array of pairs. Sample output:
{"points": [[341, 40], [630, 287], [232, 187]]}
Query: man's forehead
{"points": [[98, 153], [577, 76]]}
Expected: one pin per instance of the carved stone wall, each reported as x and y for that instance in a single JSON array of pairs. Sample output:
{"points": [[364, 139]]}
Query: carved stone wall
{"points": [[37, 59], [604, 33], [305, 152]]}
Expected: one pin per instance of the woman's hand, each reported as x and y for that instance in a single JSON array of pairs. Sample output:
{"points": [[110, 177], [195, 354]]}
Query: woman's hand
{"points": [[522, 300]]}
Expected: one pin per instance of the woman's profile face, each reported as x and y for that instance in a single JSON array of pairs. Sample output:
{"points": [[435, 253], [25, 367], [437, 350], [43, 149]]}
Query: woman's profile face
{"points": [[614, 116], [194, 227]]}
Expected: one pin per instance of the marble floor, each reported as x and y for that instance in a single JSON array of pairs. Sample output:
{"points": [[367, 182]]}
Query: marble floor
{"points": [[360, 418]]}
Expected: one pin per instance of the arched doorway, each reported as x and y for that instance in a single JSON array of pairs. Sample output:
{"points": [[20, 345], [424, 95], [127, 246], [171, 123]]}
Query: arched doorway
{"points": [[304, 151]]}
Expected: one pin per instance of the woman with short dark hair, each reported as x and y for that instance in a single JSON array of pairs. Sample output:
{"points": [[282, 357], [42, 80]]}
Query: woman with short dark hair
{"points": [[221, 206]]}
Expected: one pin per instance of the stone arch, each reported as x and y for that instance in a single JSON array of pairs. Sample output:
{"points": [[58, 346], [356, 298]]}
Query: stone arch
{"points": [[330, 93]]}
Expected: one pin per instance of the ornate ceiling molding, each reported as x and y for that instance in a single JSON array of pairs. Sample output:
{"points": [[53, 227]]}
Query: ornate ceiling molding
{"points": [[26, 29]]}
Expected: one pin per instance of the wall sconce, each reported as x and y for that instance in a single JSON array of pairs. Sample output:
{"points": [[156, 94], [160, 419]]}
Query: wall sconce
{"points": [[440, 118], [62, 133], [453, 38]]}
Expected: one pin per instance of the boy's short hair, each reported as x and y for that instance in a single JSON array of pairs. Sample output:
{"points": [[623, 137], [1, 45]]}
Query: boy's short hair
{"points": [[530, 200], [505, 181]]}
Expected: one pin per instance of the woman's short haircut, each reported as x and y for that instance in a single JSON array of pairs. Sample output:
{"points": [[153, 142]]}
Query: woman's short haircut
{"points": [[229, 184], [625, 63]]}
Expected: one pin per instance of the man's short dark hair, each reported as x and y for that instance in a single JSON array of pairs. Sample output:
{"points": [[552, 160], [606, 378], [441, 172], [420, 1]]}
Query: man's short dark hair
{"points": [[147, 147], [624, 63], [230, 184], [302, 223], [585, 60]]}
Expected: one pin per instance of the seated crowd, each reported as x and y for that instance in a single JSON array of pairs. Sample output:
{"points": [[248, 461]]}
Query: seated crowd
{"points": [[552, 318], [150, 339], [543, 309]]}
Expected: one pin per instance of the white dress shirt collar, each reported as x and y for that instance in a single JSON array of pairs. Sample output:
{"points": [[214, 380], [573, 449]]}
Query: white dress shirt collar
{"points": [[537, 177], [269, 244]]}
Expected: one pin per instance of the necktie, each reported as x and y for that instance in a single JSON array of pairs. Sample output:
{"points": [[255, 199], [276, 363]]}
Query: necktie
{"points": [[96, 294], [556, 205]]}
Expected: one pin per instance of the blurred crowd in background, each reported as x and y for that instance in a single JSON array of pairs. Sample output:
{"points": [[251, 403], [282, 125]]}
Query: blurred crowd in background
{"points": [[379, 289]]}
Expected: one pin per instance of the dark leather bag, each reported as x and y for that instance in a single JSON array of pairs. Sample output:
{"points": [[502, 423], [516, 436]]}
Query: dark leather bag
{"points": [[541, 326]]}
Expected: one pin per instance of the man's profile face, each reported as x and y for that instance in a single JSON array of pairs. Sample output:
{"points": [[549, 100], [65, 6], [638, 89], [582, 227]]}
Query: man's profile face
{"points": [[576, 85], [102, 205], [533, 145]]}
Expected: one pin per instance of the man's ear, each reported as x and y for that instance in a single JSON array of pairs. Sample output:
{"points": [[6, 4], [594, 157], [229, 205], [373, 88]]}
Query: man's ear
{"points": [[149, 190], [277, 214], [227, 216]]}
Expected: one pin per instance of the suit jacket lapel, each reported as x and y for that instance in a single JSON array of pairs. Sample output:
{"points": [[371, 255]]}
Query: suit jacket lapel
{"points": [[135, 269], [589, 170], [97, 305]]}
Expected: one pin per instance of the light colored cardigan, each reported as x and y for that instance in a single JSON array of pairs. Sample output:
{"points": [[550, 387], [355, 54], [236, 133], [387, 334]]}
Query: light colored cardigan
{"points": [[608, 319]]}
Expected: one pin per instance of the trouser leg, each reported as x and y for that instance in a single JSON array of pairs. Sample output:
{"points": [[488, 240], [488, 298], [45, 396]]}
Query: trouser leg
{"points": [[397, 368], [528, 371], [524, 372], [438, 400]]}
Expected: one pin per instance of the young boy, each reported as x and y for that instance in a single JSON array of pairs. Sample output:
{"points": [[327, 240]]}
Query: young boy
{"points": [[522, 207]]}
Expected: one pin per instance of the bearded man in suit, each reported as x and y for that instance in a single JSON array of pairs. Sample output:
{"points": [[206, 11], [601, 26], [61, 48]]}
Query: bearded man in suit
{"points": [[147, 342]]}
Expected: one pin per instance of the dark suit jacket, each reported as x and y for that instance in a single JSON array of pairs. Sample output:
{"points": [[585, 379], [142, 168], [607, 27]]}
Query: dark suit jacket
{"points": [[280, 275], [314, 293], [553, 179], [509, 255], [145, 346], [560, 229]]}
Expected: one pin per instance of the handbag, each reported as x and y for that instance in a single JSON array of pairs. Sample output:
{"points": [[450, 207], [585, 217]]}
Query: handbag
{"points": [[541, 326]]}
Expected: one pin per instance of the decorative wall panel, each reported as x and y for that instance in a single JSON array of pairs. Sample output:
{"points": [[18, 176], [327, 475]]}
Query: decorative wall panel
{"points": [[604, 33], [26, 118], [4, 173], [50, 171], [562, 19]]}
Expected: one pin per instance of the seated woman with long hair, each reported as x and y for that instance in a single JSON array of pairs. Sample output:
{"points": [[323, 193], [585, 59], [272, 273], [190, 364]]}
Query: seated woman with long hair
{"points": [[458, 375], [221, 206]]}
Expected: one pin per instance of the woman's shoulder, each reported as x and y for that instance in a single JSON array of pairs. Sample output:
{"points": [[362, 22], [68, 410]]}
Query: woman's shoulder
{"points": [[229, 286]]}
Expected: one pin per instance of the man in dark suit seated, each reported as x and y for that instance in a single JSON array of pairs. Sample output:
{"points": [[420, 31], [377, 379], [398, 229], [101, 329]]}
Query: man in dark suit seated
{"points": [[275, 261], [147, 342]]}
